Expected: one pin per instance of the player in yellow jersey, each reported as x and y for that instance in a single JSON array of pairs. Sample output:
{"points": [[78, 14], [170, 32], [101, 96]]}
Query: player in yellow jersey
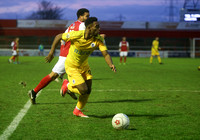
{"points": [[154, 50], [83, 43]]}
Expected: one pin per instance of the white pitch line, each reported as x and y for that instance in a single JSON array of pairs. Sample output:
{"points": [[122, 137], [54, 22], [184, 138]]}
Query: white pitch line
{"points": [[132, 90], [13, 125]]}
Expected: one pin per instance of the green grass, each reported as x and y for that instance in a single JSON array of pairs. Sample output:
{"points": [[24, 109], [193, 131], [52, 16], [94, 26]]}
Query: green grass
{"points": [[162, 101]]}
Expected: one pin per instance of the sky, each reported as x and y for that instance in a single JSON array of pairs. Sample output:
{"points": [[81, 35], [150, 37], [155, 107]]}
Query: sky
{"points": [[104, 10]]}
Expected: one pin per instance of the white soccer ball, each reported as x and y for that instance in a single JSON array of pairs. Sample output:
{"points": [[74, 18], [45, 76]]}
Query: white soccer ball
{"points": [[120, 121]]}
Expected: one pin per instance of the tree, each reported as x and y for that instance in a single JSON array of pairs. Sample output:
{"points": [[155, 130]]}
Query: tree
{"points": [[46, 10]]}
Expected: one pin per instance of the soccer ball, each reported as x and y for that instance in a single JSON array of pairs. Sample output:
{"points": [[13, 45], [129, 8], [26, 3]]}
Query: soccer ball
{"points": [[120, 121], [198, 67]]}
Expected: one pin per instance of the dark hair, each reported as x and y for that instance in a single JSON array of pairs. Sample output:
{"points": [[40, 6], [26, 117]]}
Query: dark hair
{"points": [[81, 11], [90, 20]]}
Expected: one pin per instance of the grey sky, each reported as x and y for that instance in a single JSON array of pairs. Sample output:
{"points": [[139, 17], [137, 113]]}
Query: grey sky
{"points": [[107, 10]]}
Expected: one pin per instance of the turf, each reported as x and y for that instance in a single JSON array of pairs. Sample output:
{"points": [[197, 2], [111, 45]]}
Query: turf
{"points": [[161, 101]]}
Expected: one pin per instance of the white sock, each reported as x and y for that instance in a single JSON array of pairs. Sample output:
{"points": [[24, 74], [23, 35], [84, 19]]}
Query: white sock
{"points": [[78, 108]]}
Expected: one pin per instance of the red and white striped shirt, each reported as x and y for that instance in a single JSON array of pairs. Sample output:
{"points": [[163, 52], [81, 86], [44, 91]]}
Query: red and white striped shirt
{"points": [[124, 46], [76, 26], [14, 46]]}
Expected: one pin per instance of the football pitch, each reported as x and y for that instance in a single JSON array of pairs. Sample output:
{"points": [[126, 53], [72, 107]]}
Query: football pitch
{"points": [[161, 101]]}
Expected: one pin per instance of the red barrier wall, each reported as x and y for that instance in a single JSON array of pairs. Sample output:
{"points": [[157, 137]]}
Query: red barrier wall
{"points": [[9, 28], [8, 23]]}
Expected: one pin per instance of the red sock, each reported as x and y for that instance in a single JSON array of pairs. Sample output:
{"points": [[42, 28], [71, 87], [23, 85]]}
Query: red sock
{"points": [[43, 83], [13, 58], [120, 59], [125, 59]]}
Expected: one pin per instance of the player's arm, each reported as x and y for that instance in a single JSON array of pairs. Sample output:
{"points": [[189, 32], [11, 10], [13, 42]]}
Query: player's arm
{"points": [[72, 35], [127, 46], [109, 60], [120, 44], [54, 45]]}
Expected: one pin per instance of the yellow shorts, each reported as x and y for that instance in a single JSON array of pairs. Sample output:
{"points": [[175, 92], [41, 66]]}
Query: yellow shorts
{"points": [[77, 76], [155, 53]]}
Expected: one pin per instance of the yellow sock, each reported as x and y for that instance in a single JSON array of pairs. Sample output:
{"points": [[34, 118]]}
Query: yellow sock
{"points": [[11, 57], [74, 89], [82, 100], [151, 59], [159, 59]]}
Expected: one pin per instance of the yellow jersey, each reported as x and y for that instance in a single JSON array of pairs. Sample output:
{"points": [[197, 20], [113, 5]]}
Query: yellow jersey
{"points": [[81, 48], [155, 45]]}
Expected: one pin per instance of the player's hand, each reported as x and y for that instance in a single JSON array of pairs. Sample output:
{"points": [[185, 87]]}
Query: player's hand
{"points": [[49, 58], [113, 68]]}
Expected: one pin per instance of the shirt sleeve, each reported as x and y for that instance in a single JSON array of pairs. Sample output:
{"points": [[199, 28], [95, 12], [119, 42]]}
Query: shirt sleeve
{"points": [[102, 46], [82, 26], [12, 44], [66, 31], [120, 44], [127, 44], [72, 35]]}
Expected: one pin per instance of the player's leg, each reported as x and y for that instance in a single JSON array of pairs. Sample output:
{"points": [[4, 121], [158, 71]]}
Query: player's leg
{"points": [[42, 84], [76, 84], [56, 71], [125, 56], [85, 89], [121, 57], [75, 78], [82, 90], [65, 90], [17, 57], [151, 59], [45, 81], [153, 53], [11, 59], [80, 84], [159, 59], [14, 58], [124, 60], [83, 98]]}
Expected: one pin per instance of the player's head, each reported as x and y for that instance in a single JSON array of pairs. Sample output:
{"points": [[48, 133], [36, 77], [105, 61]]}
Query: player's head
{"points": [[157, 38], [83, 14], [124, 38], [17, 39], [92, 26]]}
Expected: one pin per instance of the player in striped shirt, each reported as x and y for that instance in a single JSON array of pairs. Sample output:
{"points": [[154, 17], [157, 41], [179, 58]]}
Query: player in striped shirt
{"points": [[59, 68], [15, 50], [123, 49]]}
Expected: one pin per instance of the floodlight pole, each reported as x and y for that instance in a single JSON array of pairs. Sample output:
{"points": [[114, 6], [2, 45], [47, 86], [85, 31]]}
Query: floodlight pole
{"points": [[193, 48]]}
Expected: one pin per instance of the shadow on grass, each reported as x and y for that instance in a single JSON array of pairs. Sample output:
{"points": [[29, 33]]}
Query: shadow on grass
{"points": [[61, 103], [111, 101], [149, 116], [101, 79], [125, 100]]}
